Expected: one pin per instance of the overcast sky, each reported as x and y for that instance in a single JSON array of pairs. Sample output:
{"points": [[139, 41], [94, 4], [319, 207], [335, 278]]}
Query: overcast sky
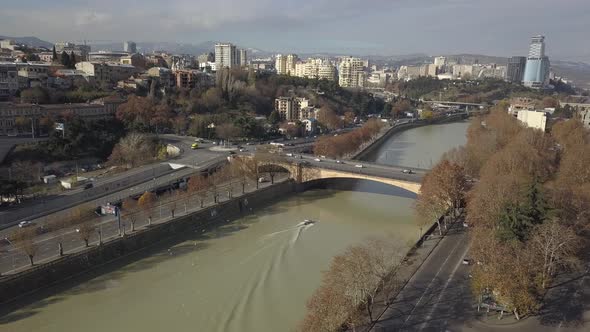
{"points": [[389, 27]]}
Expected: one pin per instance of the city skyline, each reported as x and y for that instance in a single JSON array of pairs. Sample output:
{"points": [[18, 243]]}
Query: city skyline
{"points": [[348, 27]]}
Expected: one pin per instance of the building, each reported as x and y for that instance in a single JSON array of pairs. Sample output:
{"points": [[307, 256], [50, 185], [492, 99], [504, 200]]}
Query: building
{"points": [[585, 117], [243, 58], [521, 104], [440, 61], [286, 64], [135, 59], [35, 73], [262, 64], [206, 57], [105, 108], [46, 56], [463, 71], [533, 119], [515, 69], [536, 72], [163, 75], [316, 69], [130, 47], [351, 74], [8, 44], [106, 73], [186, 79], [8, 79], [290, 108], [107, 56], [81, 51], [226, 56], [431, 70]]}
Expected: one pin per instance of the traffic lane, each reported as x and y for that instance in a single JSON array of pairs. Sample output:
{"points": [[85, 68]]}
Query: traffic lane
{"points": [[48, 249], [369, 170], [412, 307]]}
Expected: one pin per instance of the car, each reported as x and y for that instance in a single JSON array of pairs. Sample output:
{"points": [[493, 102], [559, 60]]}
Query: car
{"points": [[318, 159], [242, 150], [195, 146], [25, 223], [232, 152], [408, 171], [466, 262], [359, 166], [465, 225], [262, 179], [339, 162], [289, 155], [323, 157], [88, 185]]}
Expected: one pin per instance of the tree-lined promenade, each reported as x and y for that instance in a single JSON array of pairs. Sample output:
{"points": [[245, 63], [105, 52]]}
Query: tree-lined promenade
{"points": [[525, 196], [240, 176]]}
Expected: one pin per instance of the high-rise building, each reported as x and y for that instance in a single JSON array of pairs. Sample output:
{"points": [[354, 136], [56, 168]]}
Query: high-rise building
{"points": [[226, 56], [351, 74], [285, 64], [243, 57], [515, 70], [536, 72], [440, 61], [130, 47]]}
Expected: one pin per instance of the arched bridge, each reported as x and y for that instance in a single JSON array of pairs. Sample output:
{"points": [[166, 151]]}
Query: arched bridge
{"points": [[304, 170]]}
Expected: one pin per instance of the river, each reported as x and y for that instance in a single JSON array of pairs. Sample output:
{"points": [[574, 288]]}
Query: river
{"points": [[254, 274], [421, 147]]}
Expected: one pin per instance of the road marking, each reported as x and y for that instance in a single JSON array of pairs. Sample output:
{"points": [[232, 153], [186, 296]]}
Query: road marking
{"points": [[459, 263], [431, 282]]}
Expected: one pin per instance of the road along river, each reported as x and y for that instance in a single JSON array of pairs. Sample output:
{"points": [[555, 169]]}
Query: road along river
{"points": [[254, 274]]}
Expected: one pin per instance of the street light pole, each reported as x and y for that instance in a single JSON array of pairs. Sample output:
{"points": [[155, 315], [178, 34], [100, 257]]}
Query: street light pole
{"points": [[118, 213]]}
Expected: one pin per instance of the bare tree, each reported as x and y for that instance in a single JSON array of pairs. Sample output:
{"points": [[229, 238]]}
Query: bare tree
{"points": [[85, 230], [228, 131], [146, 203], [24, 240], [130, 211], [556, 245]]}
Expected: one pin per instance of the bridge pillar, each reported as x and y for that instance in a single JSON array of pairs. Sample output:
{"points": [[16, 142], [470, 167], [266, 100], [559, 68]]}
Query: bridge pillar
{"points": [[299, 173]]}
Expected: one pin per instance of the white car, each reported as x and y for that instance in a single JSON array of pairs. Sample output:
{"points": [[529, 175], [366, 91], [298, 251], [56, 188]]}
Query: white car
{"points": [[24, 224], [289, 155], [318, 159], [359, 166], [339, 162], [408, 171]]}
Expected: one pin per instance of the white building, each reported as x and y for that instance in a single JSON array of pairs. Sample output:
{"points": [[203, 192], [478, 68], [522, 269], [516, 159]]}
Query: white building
{"points": [[106, 72], [351, 74], [226, 56], [533, 119]]}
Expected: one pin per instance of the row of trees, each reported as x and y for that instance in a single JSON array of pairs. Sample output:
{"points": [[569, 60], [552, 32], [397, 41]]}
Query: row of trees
{"points": [[350, 286], [348, 143], [528, 207], [200, 187]]}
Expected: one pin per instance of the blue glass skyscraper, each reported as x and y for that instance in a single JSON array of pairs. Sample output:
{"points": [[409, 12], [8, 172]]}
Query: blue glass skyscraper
{"points": [[536, 72]]}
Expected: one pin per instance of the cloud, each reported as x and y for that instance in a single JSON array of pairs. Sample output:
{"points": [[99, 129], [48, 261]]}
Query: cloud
{"points": [[92, 18]]}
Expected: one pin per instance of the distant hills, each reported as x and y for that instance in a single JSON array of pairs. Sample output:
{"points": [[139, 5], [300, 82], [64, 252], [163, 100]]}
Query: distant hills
{"points": [[30, 41]]}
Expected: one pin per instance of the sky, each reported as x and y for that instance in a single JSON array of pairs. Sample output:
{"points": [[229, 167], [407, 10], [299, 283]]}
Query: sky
{"points": [[363, 27]]}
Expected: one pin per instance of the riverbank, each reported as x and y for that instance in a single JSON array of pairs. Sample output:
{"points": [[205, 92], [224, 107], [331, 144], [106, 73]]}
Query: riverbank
{"points": [[368, 152], [31, 280]]}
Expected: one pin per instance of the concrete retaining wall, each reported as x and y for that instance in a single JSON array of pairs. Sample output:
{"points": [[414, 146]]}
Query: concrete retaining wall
{"points": [[368, 154], [29, 281]]}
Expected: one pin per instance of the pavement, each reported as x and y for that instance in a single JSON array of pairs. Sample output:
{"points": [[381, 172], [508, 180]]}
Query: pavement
{"points": [[13, 260]]}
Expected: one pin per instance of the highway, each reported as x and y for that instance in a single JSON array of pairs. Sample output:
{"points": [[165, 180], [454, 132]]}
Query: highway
{"points": [[13, 259], [437, 296]]}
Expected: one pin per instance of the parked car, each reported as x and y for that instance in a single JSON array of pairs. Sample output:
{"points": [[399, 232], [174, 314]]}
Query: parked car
{"points": [[262, 179], [25, 223], [359, 166]]}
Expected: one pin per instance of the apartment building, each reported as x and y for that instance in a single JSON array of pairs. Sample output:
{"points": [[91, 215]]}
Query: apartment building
{"points": [[9, 112], [106, 72], [286, 64], [294, 108], [351, 74], [81, 51], [226, 56], [8, 79]]}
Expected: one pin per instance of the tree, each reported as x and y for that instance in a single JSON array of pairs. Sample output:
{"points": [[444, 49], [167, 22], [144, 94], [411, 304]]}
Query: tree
{"points": [[24, 240], [85, 230], [556, 244], [400, 108], [227, 131], [130, 211], [270, 161], [198, 184], [73, 60], [443, 189], [146, 203], [54, 57], [274, 117], [65, 59]]}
